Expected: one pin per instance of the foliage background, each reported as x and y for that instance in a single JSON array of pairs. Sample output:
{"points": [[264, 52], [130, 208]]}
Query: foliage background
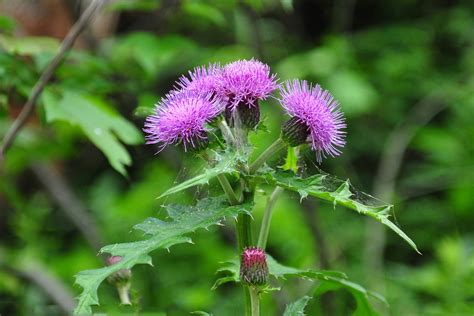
{"points": [[79, 176]]}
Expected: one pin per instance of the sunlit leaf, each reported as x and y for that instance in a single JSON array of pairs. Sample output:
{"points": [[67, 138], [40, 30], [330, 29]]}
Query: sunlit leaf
{"points": [[160, 235], [29, 45], [103, 126]]}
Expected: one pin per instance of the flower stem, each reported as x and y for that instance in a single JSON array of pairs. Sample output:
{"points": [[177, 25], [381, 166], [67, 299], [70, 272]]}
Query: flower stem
{"points": [[244, 239], [267, 217], [226, 132], [122, 290], [233, 200], [278, 145], [254, 301]]}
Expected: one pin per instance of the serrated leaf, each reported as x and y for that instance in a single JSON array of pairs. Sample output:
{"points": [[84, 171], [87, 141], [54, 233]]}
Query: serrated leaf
{"points": [[336, 191], [161, 235], [329, 280], [225, 163], [103, 126], [297, 308]]}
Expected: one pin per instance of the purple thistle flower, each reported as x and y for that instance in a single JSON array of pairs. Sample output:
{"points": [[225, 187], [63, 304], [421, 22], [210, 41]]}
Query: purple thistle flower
{"points": [[201, 79], [246, 81], [181, 118], [315, 117], [253, 266]]}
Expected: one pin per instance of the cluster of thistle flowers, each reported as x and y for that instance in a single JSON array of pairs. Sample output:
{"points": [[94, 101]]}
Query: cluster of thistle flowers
{"points": [[185, 115]]}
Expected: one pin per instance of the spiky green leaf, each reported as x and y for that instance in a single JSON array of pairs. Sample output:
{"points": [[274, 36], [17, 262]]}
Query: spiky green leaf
{"points": [[224, 163], [337, 192], [297, 307], [160, 235]]}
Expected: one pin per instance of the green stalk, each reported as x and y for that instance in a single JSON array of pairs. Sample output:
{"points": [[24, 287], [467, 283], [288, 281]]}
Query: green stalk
{"points": [[278, 145], [244, 236], [231, 196], [226, 132], [267, 217], [244, 239], [254, 301], [122, 290]]}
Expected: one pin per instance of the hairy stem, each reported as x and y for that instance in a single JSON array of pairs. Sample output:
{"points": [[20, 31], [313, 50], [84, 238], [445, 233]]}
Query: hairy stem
{"points": [[267, 217], [244, 239], [278, 145], [254, 301]]}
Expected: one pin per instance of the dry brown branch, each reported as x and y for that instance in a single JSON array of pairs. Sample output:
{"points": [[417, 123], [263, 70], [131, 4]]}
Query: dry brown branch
{"points": [[46, 76], [53, 287]]}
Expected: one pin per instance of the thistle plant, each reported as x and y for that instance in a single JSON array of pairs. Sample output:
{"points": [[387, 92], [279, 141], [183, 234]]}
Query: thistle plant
{"points": [[209, 113]]}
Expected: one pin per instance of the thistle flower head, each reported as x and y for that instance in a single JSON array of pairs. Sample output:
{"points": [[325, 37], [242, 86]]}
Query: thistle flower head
{"points": [[181, 118], [202, 79], [246, 81], [121, 276], [253, 266], [315, 115]]}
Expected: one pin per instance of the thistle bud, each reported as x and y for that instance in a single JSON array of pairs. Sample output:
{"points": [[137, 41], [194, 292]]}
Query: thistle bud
{"points": [[253, 267], [122, 276], [295, 132], [247, 115]]}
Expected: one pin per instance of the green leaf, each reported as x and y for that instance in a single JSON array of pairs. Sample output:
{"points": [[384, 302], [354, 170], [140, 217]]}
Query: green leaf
{"points": [[205, 11], [360, 294], [225, 163], [7, 24], [161, 235], [141, 48], [329, 281], [103, 126], [29, 45], [336, 191], [297, 308], [140, 5]]}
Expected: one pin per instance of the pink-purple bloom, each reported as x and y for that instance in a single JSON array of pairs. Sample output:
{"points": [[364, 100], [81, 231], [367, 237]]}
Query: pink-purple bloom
{"points": [[202, 79], [245, 82], [253, 266], [181, 118], [316, 113]]}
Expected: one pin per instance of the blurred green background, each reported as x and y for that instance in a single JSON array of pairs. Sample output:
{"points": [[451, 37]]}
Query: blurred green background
{"points": [[79, 175]]}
